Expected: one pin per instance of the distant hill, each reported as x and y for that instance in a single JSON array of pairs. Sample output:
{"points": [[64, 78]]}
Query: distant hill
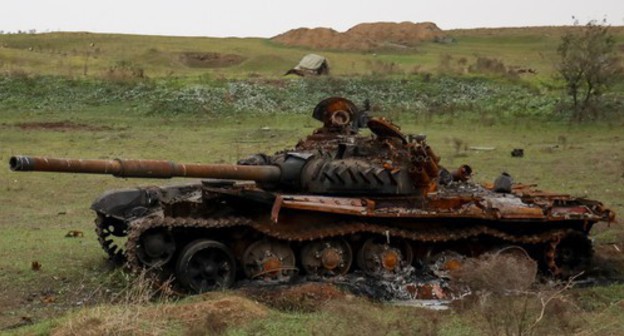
{"points": [[364, 36], [369, 48]]}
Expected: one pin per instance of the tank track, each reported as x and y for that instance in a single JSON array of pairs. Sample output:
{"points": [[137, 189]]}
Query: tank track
{"points": [[139, 226], [309, 233], [116, 253]]}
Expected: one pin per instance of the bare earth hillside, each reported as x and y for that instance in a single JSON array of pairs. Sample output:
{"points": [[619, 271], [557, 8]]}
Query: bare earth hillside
{"points": [[364, 36]]}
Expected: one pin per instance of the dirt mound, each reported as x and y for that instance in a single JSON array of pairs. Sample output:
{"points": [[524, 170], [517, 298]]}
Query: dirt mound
{"points": [[365, 36], [210, 315], [304, 297], [324, 38], [217, 315], [210, 60]]}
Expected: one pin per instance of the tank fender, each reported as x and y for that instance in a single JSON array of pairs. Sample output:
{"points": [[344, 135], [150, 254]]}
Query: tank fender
{"points": [[124, 204]]}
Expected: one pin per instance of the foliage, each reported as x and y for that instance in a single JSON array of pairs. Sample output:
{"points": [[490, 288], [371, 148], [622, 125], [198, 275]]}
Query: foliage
{"points": [[417, 95], [589, 65]]}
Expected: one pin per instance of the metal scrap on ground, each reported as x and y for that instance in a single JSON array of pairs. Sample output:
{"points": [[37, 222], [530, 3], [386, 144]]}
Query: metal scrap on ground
{"points": [[310, 64]]}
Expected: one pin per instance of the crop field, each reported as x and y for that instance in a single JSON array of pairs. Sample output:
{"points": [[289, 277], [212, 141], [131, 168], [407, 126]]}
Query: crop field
{"points": [[60, 97]]}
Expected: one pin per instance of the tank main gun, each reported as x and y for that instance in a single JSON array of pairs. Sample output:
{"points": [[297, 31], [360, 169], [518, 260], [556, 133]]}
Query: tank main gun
{"points": [[146, 168]]}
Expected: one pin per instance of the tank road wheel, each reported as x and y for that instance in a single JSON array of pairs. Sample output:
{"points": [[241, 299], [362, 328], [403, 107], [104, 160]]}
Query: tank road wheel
{"points": [[378, 257], [443, 264], [155, 248], [271, 260], [206, 265], [111, 233], [568, 255], [327, 257]]}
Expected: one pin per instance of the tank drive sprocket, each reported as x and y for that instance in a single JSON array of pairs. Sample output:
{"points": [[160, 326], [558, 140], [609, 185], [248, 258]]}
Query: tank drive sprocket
{"points": [[112, 235]]}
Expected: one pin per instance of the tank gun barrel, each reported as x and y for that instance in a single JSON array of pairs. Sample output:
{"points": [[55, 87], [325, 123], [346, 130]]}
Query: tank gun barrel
{"points": [[146, 168]]}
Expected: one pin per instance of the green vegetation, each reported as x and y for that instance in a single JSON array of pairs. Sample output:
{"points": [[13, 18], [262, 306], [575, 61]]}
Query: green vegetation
{"points": [[589, 65], [92, 96], [417, 95]]}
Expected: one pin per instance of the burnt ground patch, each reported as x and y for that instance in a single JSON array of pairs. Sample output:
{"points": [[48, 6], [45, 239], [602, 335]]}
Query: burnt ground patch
{"points": [[60, 126], [304, 297]]}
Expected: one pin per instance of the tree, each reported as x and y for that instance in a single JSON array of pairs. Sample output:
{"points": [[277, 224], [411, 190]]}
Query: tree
{"points": [[589, 65]]}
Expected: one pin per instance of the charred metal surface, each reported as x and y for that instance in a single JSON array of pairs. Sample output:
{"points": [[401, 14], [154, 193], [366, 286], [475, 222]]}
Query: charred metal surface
{"points": [[145, 168], [335, 204]]}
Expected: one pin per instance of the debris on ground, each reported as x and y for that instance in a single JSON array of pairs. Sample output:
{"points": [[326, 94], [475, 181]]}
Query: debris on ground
{"points": [[517, 152], [74, 234], [405, 287], [35, 265], [310, 64], [449, 277]]}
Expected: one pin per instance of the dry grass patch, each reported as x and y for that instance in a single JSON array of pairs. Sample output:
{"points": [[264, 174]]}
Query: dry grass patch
{"points": [[145, 307], [508, 270], [507, 300], [208, 316]]}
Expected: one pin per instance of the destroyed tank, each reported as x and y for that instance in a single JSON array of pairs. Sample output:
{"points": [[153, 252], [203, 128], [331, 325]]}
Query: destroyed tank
{"points": [[338, 202]]}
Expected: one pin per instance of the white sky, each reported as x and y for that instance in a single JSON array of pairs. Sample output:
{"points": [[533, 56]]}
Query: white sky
{"points": [[268, 18]]}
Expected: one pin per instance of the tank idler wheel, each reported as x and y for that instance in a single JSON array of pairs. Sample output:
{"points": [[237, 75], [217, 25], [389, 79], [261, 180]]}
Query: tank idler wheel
{"points": [[111, 233], [270, 260], [568, 255], [376, 256], [327, 257], [155, 248], [206, 265]]}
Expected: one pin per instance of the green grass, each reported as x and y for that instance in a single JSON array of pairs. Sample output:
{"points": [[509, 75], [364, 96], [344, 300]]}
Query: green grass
{"points": [[440, 95], [41, 207]]}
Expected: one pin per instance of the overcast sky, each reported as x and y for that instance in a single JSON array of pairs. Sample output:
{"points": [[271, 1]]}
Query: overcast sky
{"points": [[268, 18]]}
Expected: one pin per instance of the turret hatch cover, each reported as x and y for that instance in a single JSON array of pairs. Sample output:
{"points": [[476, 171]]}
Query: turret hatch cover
{"points": [[384, 128]]}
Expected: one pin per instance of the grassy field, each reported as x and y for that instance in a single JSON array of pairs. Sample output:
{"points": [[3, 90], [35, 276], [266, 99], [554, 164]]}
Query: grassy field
{"points": [[112, 56], [40, 208], [81, 95]]}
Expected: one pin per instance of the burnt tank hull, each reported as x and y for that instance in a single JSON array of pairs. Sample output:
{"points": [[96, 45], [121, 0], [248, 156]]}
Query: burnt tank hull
{"points": [[336, 203], [358, 231]]}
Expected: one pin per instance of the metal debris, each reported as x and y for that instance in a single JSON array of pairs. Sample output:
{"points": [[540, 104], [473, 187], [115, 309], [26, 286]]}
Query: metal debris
{"points": [[74, 234], [517, 152]]}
